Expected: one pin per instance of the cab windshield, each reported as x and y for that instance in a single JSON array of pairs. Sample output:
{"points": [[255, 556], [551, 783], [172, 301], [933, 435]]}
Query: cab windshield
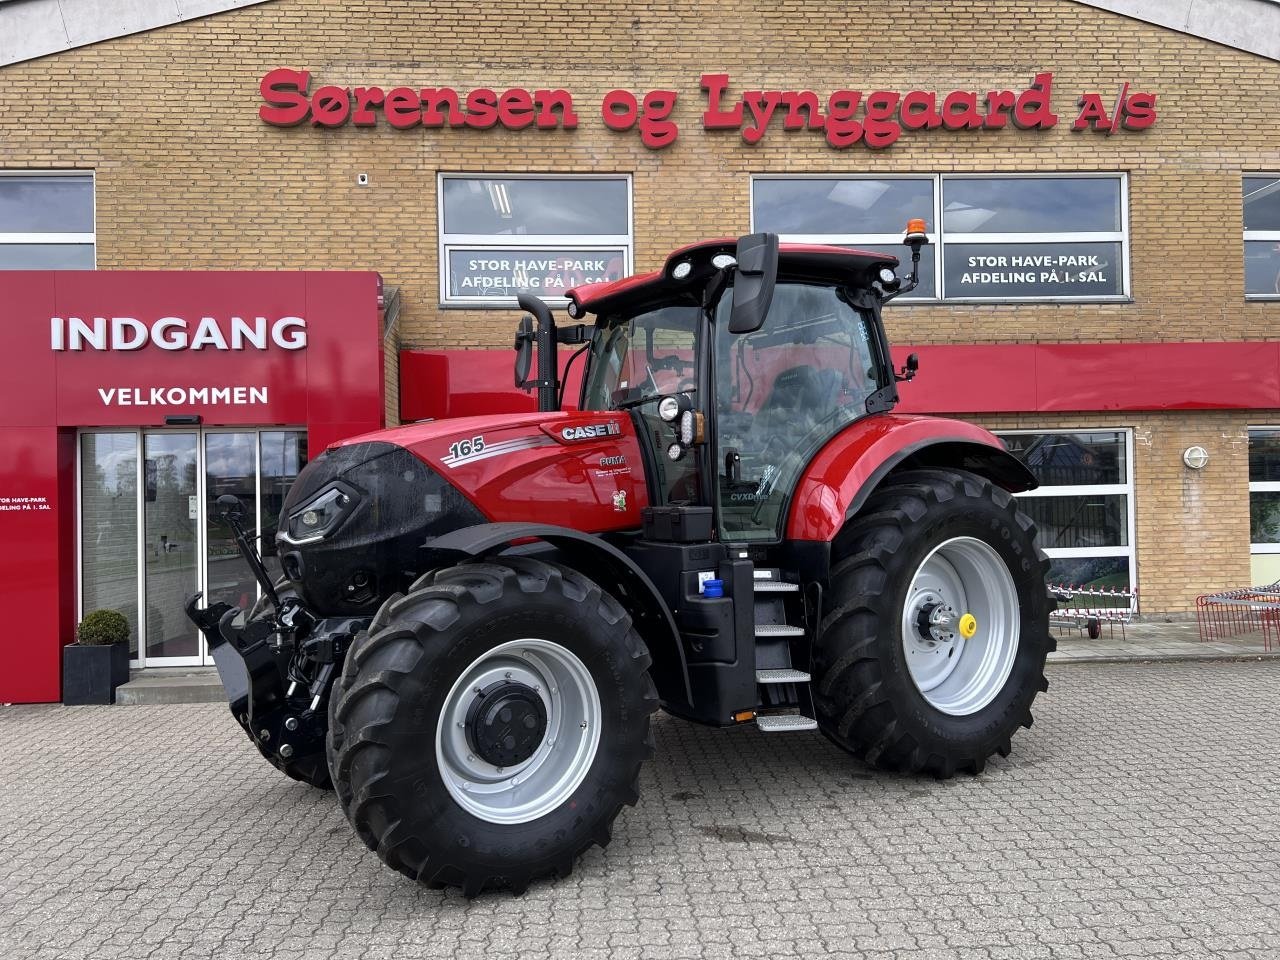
{"points": [[644, 358]]}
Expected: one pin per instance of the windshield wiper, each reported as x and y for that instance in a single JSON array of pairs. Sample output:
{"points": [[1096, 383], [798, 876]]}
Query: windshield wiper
{"points": [[648, 398]]}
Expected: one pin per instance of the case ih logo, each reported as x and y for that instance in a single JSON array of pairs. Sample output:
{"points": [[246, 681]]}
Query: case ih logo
{"points": [[176, 333], [844, 117], [591, 431]]}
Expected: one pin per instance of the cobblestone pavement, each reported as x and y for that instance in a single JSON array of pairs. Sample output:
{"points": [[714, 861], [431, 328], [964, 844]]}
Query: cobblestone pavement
{"points": [[1139, 817]]}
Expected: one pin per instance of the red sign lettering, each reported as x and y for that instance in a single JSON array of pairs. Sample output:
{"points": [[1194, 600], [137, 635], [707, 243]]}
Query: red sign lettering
{"points": [[876, 119]]}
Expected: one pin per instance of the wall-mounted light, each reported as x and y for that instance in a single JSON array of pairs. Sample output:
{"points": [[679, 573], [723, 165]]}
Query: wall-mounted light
{"points": [[183, 420], [1195, 457]]}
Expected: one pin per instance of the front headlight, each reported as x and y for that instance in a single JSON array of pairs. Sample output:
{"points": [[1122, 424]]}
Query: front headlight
{"points": [[321, 515]]}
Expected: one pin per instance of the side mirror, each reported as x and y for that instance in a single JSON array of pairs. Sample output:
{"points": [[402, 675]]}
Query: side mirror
{"points": [[230, 508], [908, 372], [524, 349], [753, 284]]}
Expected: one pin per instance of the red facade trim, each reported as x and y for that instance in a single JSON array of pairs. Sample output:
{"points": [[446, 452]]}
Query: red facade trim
{"points": [[127, 349], [953, 379]]}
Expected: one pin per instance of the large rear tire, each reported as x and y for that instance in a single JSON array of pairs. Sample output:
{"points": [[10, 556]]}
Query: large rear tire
{"points": [[936, 627], [491, 724]]}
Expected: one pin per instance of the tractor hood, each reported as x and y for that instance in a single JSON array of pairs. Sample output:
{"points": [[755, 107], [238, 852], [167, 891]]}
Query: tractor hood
{"points": [[354, 522]]}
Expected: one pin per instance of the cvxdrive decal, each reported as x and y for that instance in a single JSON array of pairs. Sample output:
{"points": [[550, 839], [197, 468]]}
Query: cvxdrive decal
{"points": [[591, 431], [475, 448]]}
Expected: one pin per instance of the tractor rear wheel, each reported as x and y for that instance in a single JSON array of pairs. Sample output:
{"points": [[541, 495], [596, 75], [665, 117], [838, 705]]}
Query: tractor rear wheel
{"points": [[936, 627], [491, 724]]}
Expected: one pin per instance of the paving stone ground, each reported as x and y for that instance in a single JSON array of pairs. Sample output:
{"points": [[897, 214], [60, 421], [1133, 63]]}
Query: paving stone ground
{"points": [[1139, 817]]}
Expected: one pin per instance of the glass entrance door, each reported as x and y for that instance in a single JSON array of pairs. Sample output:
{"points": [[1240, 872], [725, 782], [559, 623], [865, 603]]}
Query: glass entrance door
{"points": [[170, 544], [150, 534]]}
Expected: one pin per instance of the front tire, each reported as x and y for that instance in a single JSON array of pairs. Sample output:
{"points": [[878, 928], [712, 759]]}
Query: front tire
{"points": [[492, 723], [936, 628]]}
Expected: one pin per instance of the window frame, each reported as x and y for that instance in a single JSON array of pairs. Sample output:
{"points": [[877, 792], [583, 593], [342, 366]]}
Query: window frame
{"points": [[1262, 486], [1256, 235], [1128, 489], [449, 242], [972, 239], [201, 544], [57, 239], [941, 239]]}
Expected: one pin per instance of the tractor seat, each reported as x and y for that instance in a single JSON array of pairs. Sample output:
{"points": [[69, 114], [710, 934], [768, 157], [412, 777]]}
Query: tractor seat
{"points": [[803, 392]]}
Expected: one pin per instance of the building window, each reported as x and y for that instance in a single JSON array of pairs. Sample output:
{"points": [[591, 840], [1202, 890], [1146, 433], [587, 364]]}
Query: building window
{"points": [[1264, 503], [869, 214], [500, 236], [1002, 238], [46, 221], [1083, 508], [1262, 237]]}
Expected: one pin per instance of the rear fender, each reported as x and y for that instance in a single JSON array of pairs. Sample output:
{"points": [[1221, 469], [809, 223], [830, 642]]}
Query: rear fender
{"points": [[860, 458], [600, 561]]}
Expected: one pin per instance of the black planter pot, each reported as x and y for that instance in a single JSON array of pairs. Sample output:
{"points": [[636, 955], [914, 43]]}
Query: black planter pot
{"points": [[91, 674]]}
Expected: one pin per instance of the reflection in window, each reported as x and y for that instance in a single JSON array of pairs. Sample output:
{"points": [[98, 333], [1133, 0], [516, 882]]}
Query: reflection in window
{"points": [[109, 526], [559, 207], [1083, 508], [1002, 238], [1031, 205], [1071, 459], [840, 207], [284, 454], [1262, 236], [229, 471], [500, 236], [865, 213], [46, 221], [1264, 500], [1033, 238]]}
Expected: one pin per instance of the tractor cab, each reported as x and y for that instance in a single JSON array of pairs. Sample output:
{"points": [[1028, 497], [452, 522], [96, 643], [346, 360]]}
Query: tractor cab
{"points": [[738, 360]]}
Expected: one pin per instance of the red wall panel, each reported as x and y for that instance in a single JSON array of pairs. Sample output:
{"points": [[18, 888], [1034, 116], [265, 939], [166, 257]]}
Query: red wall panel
{"points": [[33, 577], [994, 378], [333, 386]]}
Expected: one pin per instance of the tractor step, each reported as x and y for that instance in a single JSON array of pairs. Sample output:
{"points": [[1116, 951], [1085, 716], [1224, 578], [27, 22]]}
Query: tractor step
{"points": [[785, 723], [782, 676], [776, 586], [778, 630]]}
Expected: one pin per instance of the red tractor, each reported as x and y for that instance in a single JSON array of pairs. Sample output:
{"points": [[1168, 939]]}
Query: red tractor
{"points": [[479, 616]]}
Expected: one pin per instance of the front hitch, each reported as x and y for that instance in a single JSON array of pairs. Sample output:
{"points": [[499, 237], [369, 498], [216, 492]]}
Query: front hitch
{"points": [[277, 669]]}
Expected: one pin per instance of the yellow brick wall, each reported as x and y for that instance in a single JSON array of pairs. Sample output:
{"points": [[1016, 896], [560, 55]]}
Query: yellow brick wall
{"points": [[188, 177]]}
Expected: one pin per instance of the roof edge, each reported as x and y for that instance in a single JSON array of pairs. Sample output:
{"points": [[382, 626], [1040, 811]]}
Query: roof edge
{"points": [[1252, 26], [30, 29]]}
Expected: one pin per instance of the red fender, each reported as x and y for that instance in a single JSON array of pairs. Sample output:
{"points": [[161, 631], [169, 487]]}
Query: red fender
{"points": [[851, 465]]}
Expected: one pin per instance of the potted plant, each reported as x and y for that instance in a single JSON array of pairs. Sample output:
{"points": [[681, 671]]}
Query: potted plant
{"points": [[98, 661]]}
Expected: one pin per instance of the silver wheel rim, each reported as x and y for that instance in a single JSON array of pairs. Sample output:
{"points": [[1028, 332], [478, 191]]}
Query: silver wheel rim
{"points": [[956, 673], [534, 787]]}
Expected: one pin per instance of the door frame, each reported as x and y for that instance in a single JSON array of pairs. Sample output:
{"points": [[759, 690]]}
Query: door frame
{"points": [[202, 657]]}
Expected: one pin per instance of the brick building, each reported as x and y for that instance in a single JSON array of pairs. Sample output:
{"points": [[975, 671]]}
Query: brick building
{"points": [[1102, 188]]}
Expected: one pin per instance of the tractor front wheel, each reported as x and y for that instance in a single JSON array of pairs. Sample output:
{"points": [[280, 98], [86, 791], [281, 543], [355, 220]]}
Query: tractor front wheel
{"points": [[936, 627], [491, 724]]}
